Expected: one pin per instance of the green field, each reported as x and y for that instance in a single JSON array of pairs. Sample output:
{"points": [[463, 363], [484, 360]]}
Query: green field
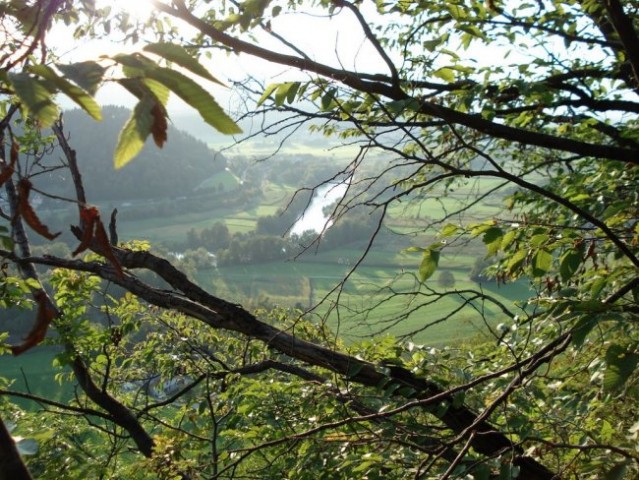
{"points": [[381, 297], [366, 306], [33, 372]]}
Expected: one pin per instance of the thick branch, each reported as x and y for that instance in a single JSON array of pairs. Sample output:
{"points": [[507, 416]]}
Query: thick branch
{"points": [[626, 31], [11, 465], [119, 414]]}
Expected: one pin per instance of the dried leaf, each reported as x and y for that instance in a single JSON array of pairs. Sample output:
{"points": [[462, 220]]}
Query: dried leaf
{"points": [[46, 314], [28, 213], [105, 247], [94, 236], [7, 170], [88, 217], [159, 127]]}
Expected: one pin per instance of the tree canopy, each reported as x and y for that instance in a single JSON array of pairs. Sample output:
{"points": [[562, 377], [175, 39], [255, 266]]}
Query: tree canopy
{"points": [[532, 103]]}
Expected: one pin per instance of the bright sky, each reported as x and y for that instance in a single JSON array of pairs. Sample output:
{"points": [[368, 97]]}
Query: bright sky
{"points": [[338, 33]]}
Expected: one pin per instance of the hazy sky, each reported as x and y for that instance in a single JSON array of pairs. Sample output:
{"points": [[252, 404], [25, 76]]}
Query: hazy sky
{"points": [[338, 34]]}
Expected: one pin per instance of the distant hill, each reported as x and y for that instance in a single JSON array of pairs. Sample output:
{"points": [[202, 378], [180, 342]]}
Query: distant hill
{"points": [[175, 170]]}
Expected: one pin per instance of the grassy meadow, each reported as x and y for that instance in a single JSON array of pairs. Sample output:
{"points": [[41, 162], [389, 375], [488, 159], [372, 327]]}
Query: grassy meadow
{"points": [[363, 305], [381, 297], [33, 372]]}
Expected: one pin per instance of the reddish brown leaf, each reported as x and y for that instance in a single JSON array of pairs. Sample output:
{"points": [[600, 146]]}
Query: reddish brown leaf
{"points": [[7, 170], [160, 126], [15, 149], [28, 213], [46, 314], [105, 247], [88, 216], [94, 236]]}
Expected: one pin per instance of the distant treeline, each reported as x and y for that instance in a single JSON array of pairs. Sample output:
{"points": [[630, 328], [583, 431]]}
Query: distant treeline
{"points": [[262, 246], [174, 170]]}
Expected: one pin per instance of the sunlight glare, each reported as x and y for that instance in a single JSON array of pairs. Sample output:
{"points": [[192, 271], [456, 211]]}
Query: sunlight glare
{"points": [[137, 9]]}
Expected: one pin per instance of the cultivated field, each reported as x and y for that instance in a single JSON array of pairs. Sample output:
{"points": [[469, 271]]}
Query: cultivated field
{"points": [[381, 297]]}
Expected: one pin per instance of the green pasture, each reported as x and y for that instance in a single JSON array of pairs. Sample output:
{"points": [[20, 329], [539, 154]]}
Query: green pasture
{"points": [[33, 372], [383, 296], [374, 299], [173, 228], [416, 213]]}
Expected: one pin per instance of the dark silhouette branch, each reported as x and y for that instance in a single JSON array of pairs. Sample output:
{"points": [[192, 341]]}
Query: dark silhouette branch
{"points": [[627, 34], [11, 465]]}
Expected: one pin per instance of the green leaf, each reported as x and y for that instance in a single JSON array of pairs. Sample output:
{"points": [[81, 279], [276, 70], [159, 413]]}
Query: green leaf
{"points": [[538, 240], [620, 364], [35, 97], [617, 472], [430, 260], [135, 60], [139, 87], [516, 260], [196, 97], [161, 92], [255, 8], [481, 472], [87, 75], [581, 330], [509, 236], [446, 74], [569, 263], [327, 99], [178, 54], [431, 45], [286, 92], [267, 93], [597, 287], [492, 239], [134, 133], [479, 228], [457, 12], [542, 262], [508, 471], [449, 230], [79, 96]]}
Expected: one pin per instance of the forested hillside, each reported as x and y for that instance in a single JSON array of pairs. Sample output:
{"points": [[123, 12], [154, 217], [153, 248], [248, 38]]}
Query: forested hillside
{"points": [[172, 171]]}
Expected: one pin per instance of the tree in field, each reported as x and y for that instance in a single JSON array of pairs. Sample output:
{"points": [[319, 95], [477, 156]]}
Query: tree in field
{"points": [[532, 103]]}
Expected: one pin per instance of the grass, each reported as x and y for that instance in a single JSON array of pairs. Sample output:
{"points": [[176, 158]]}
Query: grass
{"points": [[33, 372], [173, 228], [367, 304], [313, 276], [411, 216], [367, 301]]}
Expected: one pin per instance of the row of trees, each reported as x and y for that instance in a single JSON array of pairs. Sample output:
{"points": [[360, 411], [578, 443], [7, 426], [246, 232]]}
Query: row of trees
{"points": [[269, 394]]}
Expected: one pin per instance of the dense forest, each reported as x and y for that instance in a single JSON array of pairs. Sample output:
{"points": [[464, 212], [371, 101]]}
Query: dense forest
{"points": [[173, 171]]}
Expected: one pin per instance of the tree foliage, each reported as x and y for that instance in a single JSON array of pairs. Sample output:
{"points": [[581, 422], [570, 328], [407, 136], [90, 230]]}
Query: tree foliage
{"points": [[539, 97]]}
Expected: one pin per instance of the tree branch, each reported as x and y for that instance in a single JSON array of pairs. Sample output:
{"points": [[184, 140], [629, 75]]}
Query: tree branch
{"points": [[626, 31], [356, 81], [219, 313]]}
